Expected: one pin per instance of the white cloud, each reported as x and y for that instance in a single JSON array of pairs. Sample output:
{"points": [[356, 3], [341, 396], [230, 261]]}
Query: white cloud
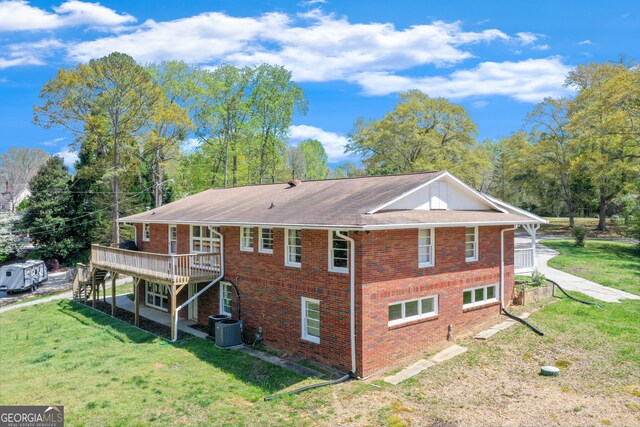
{"points": [[530, 81], [541, 47], [18, 15], [314, 46], [332, 142], [53, 142], [30, 53], [585, 42], [69, 157], [527, 38]]}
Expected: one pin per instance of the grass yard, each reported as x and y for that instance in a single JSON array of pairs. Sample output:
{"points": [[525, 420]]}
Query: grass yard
{"points": [[107, 372], [611, 264], [560, 227]]}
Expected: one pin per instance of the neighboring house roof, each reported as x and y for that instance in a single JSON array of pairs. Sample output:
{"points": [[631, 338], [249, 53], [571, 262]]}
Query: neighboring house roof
{"points": [[350, 203]]}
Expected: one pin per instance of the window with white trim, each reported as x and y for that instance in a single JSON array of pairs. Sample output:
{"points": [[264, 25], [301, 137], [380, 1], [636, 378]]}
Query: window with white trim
{"points": [[173, 239], [407, 311], [246, 239], [479, 295], [157, 296], [146, 232], [203, 240], [293, 248], [311, 320], [338, 253], [426, 245], [225, 298], [471, 244], [266, 241]]}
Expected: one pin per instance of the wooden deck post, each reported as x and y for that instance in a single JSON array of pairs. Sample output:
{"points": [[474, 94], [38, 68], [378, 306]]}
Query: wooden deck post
{"points": [[136, 281], [93, 289], [113, 294], [173, 292]]}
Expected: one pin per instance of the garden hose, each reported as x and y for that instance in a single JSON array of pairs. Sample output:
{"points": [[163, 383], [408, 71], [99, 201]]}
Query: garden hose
{"points": [[524, 322], [309, 387], [574, 298]]}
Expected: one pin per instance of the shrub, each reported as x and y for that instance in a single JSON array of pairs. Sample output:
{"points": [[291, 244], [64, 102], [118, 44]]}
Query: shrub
{"points": [[537, 279], [580, 233]]}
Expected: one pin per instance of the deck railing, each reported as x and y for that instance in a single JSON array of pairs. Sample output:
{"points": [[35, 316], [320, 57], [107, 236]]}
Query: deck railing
{"points": [[524, 260], [171, 269]]}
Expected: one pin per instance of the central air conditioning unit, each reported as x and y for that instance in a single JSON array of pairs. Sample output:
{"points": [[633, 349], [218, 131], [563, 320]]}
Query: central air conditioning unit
{"points": [[228, 333], [212, 323]]}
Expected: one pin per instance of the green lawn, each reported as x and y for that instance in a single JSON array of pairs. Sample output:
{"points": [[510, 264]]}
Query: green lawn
{"points": [[559, 226], [611, 264], [107, 372]]}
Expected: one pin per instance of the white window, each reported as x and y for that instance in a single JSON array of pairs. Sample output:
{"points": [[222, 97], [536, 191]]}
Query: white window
{"points": [[173, 239], [204, 241], [438, 195], [406, 311], [479, 295], [338, 253], [426, 244], [293, 248], [157, 296], [266, 241], [246, 239], [225, 298], [471, 244], [311, 320], [146, 232]]}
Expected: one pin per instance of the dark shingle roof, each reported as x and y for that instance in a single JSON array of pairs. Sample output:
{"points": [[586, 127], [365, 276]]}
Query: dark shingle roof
{"points": [[339, 202]]}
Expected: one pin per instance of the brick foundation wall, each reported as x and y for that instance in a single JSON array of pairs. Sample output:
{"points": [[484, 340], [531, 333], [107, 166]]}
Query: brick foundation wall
{"points": [[390, 274]]}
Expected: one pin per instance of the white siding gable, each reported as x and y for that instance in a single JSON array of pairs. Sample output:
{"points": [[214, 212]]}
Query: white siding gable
{"points": [[444, 193]]}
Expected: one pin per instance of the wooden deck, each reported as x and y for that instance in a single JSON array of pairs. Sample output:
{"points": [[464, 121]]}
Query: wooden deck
{"points": [[158, 268]]}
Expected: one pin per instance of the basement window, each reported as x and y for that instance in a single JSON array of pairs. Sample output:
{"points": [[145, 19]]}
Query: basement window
{"points": [[146, 232], [479, 295], [407, 311], [311, 320], [246, 239], [225, 298]]}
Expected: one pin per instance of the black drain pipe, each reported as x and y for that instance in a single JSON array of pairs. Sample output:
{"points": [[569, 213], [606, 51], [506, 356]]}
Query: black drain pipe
{"points": [[349, 376], [572, 297], [524, 322]]}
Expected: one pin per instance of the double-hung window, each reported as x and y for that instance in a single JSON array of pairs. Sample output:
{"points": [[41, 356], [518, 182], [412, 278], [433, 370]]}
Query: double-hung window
{"points": [[479, 295], [471, 244], [204, 241], [146, 232], [293, 247], [426, 244], [246, 239], [225, 298], [338, 253], [311, 320], [266, 241], [407, 311]]}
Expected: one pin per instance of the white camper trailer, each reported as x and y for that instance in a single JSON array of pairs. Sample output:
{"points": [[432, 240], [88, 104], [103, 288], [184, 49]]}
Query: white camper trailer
{"points": [[22, 276]]}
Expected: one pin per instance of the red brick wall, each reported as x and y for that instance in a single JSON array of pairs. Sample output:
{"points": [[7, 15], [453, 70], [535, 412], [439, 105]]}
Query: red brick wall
{"points": [[386, 272], [390, 274]]}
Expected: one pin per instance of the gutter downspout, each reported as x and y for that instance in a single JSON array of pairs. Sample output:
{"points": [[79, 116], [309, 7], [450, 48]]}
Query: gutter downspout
{"points": [[197, 294], [352, 283]]}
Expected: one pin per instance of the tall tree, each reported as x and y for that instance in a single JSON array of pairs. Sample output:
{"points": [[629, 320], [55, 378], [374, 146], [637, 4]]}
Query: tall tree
{"points": [[49, 218], [315, 159], [170, 121], [114, 87], [274, 100], [605, 118], [420, 133], [17, 167]]}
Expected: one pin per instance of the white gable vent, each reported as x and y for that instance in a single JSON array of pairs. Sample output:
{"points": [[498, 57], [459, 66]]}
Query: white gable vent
{"points": [[438, 195]]}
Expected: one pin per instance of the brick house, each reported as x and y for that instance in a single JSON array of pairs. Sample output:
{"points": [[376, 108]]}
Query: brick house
{"points": [[355, 273]]}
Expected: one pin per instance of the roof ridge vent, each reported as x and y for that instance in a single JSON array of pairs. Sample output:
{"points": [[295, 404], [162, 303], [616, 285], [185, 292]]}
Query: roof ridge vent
{"points": [[294, 183]]}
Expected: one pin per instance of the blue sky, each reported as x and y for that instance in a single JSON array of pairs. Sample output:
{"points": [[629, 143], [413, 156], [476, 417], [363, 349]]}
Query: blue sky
{"points": [[496, 58]]}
